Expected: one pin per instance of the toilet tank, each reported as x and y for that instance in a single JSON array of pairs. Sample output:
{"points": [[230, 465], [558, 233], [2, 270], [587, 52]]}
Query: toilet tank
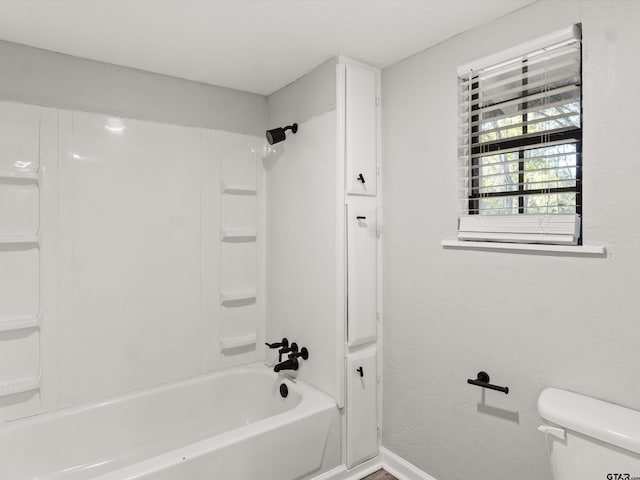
{"points": [[589, 439]]}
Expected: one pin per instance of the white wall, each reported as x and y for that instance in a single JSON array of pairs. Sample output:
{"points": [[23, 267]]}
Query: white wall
{"points": [[311, 95], [531, 321], [133, 202], [41, 77], [141, 211], [302, 225]]}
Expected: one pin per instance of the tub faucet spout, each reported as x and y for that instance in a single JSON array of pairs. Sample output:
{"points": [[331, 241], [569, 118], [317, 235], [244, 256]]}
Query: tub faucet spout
{"points": [[291, 364]]}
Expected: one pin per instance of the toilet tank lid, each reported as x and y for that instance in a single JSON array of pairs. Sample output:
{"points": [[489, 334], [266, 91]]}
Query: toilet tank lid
{"points": [[609, 423]]}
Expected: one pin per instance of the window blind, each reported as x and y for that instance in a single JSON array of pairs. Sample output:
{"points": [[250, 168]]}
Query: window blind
{"points": [[520, 143]]}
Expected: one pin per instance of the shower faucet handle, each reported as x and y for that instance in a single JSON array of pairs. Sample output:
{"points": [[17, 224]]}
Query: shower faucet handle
{"points": [[293, 348], [282, 344], [303, 353]]}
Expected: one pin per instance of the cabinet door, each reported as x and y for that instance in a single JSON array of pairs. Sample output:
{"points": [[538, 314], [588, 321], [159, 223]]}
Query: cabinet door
{"points": [[361, 128], [362, 407], [362, 283]]}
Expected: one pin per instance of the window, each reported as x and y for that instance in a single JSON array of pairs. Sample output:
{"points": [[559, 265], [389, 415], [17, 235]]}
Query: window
{"points": [[520, 147]]}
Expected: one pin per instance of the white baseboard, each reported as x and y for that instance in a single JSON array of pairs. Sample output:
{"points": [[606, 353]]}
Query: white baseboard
{"points": [[356, 473], [392, 463], [400, 468]]}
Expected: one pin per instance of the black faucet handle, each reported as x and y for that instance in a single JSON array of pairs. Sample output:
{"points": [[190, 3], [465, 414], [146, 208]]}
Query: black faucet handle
{"points": [[284, 343], [303, 353], [287, 349], [292, 349]]}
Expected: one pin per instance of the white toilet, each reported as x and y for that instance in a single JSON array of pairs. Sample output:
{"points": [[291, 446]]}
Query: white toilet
{"points": [[589, 439]]}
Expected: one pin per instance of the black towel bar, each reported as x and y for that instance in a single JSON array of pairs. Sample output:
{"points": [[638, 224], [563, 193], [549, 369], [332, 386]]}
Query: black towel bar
{"points": [[483, 381]]}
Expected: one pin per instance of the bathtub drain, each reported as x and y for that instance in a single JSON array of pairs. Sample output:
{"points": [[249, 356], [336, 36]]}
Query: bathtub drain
{"points": [[284, 390]]}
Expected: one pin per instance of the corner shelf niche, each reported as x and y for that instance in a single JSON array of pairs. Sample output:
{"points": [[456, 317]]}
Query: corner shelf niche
{"points": [[19, 324], [238, 235], [229, 343], [19, 239], [30, 177], [228, 298], [231, 189], [19, 386]]}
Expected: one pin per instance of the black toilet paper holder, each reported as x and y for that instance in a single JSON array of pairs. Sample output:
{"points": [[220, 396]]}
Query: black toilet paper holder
{"points": [[483, 379]]}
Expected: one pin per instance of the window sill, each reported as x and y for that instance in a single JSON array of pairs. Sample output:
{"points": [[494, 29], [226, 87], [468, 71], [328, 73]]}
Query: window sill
{"points": [[599, 251]]}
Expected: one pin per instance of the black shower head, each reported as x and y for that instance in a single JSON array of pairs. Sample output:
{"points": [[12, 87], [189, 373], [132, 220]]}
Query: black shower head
{"points": [[277, 135]]}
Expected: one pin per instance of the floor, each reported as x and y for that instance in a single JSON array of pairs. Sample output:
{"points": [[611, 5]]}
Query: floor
{"points": [[380, 475]]}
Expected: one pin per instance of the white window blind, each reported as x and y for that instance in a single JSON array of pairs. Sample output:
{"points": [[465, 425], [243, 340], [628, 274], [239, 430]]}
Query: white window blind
{"points": [[520, 144]]}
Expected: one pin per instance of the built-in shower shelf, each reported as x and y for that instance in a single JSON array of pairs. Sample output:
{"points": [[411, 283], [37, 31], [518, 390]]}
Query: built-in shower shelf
{"points": [[230, 234], [231, 189], [19, 176], [19, 324], [19, 386], [19, 239], [229, 343], [237, 296]]}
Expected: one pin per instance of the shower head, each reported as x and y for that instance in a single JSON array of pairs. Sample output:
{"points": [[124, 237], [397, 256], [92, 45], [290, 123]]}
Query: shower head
{"points": [[277, 135]]}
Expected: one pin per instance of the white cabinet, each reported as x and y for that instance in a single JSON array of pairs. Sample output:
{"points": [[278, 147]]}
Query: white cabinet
{"points": [[361, 130], [362, 272], [358, 106], [362, 407]]}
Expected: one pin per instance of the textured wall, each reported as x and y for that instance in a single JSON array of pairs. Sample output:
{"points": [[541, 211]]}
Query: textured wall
{"points": [[41, 77], [531, 321], [311, 95]]}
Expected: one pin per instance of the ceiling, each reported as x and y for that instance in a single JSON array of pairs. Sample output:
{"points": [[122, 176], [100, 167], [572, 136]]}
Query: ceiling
{"points": [[253, 45]]}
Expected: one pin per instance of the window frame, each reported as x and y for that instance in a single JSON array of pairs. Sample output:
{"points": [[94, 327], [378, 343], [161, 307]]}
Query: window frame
{"points": [[525, 141]]}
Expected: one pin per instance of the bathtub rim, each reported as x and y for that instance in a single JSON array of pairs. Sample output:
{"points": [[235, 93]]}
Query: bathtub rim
{"points": [[257, 367]]}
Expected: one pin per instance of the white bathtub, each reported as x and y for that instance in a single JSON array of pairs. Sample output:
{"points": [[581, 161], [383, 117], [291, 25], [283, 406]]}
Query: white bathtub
{"points": [[230, 425]]}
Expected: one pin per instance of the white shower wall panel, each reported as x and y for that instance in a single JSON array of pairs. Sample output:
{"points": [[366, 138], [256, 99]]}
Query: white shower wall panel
{"points": [[20, 354], [238, 266], [111, 255], [301, 249], [20, 127], [19, 207], [19, 282], [240, 277], [238, 163], [136, 254], [140, 235], [239, 322], [238, 213]]}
